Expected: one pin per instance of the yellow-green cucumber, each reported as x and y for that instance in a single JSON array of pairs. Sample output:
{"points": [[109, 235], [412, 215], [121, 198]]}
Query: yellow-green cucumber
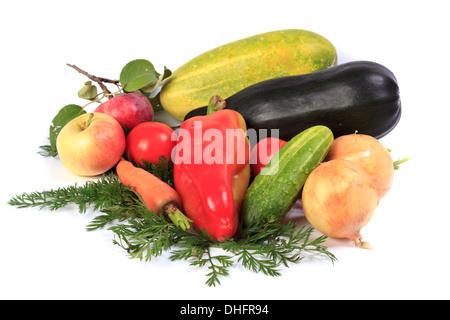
{"points": [[232, 67], [271, 195]]}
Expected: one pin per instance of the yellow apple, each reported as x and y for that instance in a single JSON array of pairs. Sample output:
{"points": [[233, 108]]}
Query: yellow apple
{"points": [[91, 144]]}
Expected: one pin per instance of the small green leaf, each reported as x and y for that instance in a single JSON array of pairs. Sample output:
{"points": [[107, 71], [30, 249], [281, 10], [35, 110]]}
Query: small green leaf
{"points": [[152, 91], [156, 103], [88, 92], [162, 78], [64, 115], [138, 74]]}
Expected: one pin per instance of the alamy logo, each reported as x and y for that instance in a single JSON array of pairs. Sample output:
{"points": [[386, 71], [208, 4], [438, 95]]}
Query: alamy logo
{"points": [[213, 146]]}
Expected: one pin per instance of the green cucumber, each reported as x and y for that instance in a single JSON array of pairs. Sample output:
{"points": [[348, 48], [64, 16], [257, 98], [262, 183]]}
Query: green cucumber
{"points": [[271, 195]]}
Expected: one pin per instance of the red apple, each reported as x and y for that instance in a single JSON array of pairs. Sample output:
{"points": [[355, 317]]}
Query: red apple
{"points": [[129, 109], [262, 152], [91, 144]]}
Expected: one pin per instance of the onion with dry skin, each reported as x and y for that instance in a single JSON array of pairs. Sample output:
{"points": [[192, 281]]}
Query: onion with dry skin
{"points": [[339, 199], [370, 155]]}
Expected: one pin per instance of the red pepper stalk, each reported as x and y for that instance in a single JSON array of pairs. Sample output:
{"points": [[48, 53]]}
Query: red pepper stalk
{"points": [[212, 191]]}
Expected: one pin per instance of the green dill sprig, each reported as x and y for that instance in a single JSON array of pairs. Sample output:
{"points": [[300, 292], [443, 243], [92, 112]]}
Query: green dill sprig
{"points": [[163, 169], [144, 235], [145, 238], [47, 151], [106, 191], [261, 249]]}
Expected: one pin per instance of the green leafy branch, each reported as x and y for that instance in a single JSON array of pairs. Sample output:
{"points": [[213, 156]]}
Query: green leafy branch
{"points": [[136, 76], [100, 80]]}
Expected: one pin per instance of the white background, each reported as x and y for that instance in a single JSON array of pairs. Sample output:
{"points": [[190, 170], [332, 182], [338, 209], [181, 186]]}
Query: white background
{"points": [[50, 255]]}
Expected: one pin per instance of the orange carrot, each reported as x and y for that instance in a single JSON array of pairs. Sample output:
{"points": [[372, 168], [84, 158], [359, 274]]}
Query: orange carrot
{"points": [[158, 196]]}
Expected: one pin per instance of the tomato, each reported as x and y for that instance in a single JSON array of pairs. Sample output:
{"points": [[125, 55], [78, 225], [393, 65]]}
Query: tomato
{"points": [[149, 141], [263, 151]]}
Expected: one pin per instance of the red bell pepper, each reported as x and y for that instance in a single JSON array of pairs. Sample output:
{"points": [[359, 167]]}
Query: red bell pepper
{"points": [[212, 171]]}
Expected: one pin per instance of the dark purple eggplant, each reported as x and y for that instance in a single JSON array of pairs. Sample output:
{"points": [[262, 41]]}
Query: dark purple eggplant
{"points": [[360, 96]]}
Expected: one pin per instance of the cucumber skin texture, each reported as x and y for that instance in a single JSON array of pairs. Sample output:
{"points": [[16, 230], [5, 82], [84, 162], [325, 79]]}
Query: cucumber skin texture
{"points": [[270, 197], [232, 67]]}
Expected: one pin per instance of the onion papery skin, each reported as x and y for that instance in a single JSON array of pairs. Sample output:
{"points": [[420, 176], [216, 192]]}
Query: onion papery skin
{"points": [[369, 154], [339, 199]]}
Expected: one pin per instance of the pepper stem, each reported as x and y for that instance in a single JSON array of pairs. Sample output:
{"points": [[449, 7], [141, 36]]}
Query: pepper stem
{"points": [[177, 217], [216, 103]]}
